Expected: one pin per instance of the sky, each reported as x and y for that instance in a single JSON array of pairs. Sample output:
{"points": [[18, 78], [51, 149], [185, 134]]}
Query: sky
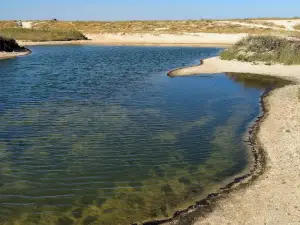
{"points": [[108, 10]]}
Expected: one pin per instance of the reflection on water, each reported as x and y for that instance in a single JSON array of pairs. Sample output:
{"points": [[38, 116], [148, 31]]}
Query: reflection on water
{"points": [[257, 81], [100, 135]]}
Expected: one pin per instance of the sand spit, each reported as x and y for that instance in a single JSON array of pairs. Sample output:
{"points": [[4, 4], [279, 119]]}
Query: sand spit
{"points": [[216, 65], [9, 55]]}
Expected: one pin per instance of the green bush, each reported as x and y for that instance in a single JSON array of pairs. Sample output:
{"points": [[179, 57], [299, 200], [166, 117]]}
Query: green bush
{"points": [[41, 34], [266, 49], [10, 45]]}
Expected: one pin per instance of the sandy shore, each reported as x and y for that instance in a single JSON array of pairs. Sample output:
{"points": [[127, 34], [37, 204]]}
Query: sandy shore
{"points": [[274, 196], [8, 55], [185, 39], [216, 65], [211, 39]]}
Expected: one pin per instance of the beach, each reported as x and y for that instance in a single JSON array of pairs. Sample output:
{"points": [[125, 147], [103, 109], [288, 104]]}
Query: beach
{"points": [[274, 196], [184, 39], [216, 65], [9, 55]]}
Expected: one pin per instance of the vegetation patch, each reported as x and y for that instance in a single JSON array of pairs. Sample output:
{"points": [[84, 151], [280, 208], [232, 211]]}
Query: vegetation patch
{"points": [[42, 34], [10, 45], [297, 27], [261, 22], [152, 27], [268, 49]]}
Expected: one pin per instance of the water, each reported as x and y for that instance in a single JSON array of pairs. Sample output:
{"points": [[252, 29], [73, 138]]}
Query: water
{"points": [[100, 135]]}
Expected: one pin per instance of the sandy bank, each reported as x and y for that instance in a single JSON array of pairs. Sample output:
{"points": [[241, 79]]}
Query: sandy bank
{"points": [[216, 65], [185, 39], [274, 196], [8, 55]]}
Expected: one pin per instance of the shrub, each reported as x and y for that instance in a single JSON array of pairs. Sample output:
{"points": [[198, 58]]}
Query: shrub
{"points": [[268, 49], [42, 34], [297, 27], [10, 45]]}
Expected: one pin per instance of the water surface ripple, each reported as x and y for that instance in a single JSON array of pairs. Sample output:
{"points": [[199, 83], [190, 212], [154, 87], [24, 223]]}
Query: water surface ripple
{"points": [[100, 135]]}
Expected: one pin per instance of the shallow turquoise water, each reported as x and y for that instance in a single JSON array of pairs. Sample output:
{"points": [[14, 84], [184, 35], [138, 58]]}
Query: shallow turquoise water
{"points": [[100, 135]]}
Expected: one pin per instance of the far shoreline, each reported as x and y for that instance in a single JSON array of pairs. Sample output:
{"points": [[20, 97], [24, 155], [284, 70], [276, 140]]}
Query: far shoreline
{"points": [[99, 43], [148, 39]]}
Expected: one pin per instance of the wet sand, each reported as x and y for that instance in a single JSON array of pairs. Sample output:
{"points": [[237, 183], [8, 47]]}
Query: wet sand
{"points": [[273, 197]]}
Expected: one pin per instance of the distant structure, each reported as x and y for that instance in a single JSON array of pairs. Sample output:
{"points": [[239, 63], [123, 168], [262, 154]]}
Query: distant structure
{"points": [[19, 23]]}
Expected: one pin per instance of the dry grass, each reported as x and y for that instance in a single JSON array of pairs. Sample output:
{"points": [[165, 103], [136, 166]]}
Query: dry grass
{"points": [[267, 49], [151, 27], [154, 27], [7, 24], [297, 27], [261, 22], [41, 34]]}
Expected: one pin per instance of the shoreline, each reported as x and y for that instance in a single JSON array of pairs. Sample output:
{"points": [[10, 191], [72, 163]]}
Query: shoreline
{"points": [[151, 39], [253, 198], [112, 43], [255, 202], [10, 55], [215, 65]]}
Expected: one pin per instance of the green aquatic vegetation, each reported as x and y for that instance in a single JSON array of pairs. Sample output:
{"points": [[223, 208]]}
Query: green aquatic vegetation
{"points": [[185, 128], [3, 151], [168, 137], [5, 164], [81, 144], [154, 192], [42, 34], [226, 149], [15, 187], [155, 197], [172, 136], [256, 80]]}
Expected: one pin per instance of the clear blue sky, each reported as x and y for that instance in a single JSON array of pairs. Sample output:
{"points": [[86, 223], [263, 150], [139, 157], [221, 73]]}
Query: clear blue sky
{"points": [[145, 9]]}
